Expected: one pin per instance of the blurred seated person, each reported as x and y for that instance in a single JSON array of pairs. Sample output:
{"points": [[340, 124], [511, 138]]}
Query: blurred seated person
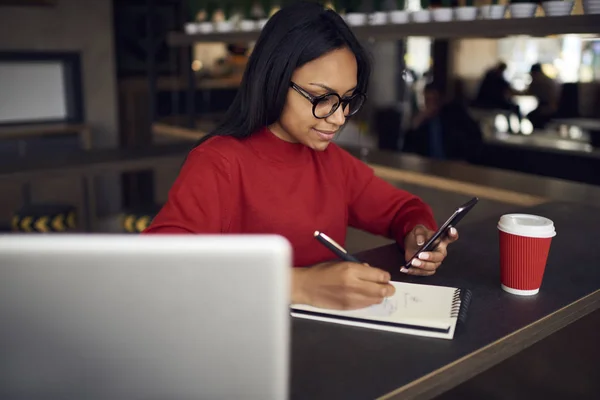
{"points": [[443, 130], [495, 92], [546, 91]]}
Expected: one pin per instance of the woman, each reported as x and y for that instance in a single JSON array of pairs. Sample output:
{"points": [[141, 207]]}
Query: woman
{"points": [[271, 166]]}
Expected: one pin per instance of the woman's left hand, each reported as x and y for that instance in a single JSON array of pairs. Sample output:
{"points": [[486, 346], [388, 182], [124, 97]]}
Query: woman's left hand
{"points": [[427, 262]]}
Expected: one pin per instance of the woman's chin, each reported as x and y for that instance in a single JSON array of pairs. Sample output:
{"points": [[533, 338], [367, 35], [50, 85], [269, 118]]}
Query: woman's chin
{"points": [[319, 145]]}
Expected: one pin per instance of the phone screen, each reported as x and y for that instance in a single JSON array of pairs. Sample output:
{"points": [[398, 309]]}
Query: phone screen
{"points": [[441, 233]]}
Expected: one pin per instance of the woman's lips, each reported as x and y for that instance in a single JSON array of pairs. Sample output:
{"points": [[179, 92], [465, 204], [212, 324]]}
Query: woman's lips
{"points": [[325, 135]]}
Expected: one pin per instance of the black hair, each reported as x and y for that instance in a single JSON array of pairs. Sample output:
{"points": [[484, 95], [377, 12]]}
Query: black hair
{"points": [[536, 68], [294, 36], [433, 87]]}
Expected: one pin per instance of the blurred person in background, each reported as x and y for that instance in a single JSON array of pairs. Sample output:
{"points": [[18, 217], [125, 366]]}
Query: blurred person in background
{"points": [[546, 91], [495, 92], [443, 130]]}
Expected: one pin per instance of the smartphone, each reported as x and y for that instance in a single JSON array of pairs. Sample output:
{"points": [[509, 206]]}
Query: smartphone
{"points": [[441, 233]]}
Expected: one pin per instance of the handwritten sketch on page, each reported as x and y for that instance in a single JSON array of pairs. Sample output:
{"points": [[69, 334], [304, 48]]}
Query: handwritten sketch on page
{"points": [[409, 298], [387, 307], [410, 302]]}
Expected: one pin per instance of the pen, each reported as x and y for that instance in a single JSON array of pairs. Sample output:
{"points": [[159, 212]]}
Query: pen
{"points": [[334, 247]]}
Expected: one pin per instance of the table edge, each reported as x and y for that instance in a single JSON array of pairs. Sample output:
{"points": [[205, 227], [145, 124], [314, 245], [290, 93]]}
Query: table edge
{"points": [[458, 371]]}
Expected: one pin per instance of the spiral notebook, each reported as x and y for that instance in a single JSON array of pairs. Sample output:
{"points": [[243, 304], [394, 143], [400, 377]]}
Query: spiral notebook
{"points": [[415, 309]]}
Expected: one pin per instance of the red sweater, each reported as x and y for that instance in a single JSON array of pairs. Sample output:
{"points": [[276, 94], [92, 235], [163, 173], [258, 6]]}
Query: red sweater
{"points": [[266, 185]]}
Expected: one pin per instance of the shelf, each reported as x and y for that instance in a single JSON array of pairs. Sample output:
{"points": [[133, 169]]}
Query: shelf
{"points": [[487, 28], [481, 28], [170, 83], [177, 39]]}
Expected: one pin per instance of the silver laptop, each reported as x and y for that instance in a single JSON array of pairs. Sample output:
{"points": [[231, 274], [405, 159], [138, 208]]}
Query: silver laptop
{"points": [[144, 317]]}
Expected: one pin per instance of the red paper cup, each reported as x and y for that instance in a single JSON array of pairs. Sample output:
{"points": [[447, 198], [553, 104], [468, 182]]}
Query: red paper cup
{"points": [[524, 246]]}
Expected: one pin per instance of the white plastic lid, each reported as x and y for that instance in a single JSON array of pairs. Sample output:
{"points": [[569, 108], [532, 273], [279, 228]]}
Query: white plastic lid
{"points": [[527, 225]]}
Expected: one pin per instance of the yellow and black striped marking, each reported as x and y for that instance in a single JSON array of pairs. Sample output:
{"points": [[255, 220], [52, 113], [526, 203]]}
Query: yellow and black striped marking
{"points": [[43, 218], [136, 223]]}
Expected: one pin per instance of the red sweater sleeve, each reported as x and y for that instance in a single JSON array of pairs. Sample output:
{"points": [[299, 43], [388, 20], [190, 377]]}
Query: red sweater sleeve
{"points": [[200, 199], [376, 206]]}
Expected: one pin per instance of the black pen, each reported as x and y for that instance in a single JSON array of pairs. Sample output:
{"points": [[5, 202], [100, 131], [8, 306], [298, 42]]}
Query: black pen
{"points": [[334, 247]]}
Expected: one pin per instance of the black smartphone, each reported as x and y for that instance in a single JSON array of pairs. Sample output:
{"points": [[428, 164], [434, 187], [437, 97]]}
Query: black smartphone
{"points": [[432, 243]]}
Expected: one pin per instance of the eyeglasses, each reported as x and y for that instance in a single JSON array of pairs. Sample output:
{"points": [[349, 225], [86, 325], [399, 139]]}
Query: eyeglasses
{"points": [[326, 104]]}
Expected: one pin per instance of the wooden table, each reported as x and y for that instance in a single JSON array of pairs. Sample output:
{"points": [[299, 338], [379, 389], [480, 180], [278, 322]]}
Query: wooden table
{"points": [[589, 124], [335, 361], [42, 130], [474, 180]]}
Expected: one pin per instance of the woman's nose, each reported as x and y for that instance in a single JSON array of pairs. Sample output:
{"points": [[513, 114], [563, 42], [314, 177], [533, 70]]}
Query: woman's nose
{"points": [[337, 118]]}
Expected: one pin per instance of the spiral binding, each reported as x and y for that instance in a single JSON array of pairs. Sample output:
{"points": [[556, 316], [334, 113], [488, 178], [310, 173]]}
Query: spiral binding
{"points": [[460, 304], [456, 301]]}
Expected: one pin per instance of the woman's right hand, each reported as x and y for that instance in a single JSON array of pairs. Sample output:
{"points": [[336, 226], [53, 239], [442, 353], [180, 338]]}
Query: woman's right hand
{"points": [[340, 285]]}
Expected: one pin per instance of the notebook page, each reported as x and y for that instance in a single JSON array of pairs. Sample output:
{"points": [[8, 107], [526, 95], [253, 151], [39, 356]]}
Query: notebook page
{"points": [[414, 304]]}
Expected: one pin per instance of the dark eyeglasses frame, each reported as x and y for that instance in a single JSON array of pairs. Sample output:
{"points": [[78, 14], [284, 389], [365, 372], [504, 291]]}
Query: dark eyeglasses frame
{"points": [[342, 100]]}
